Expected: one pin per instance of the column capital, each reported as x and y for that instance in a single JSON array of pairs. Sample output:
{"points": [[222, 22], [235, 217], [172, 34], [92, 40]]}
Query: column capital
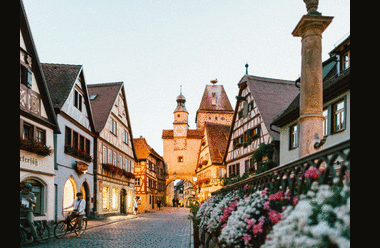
{"points": [[312, 22]]}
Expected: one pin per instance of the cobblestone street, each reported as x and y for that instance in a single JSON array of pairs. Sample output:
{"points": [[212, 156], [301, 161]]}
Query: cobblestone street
{"points": [[166, 228]]}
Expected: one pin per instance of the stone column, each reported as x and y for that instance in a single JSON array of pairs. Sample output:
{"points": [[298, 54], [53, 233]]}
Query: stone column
{"points": [[310, 29]]}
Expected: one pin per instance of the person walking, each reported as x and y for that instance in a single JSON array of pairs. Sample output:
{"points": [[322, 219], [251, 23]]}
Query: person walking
{"points": [[136, 208], [173, 201], [158, 204]]}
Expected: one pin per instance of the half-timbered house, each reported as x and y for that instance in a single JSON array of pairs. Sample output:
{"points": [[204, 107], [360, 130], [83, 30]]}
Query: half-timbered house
{"points": [[150, 175], [38, 126], [258, 102], [114, 148], [210, 168], [74, 162]]}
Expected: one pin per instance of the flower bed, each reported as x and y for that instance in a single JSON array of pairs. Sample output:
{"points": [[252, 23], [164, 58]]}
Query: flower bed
{"points": [[31, 145], [318, 218]]}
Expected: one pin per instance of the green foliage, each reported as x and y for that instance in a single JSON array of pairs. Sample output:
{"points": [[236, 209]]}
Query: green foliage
{"points": [[193, 214], [238, 178]]}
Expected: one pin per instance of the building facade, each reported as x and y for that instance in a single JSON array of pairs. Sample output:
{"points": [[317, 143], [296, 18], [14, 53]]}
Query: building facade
{"points": [[75, 146], [181, 146], [38, 125], [259, 100], [150, 180], [115, 157], [210, 168], [336, 106], [214, 118]]}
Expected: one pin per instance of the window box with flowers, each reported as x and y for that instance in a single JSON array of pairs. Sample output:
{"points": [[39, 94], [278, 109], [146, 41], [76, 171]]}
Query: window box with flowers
{"points": [[112, 168], [203, 181], [75, 152], [128, 174], [32, 145], [117, 171]]}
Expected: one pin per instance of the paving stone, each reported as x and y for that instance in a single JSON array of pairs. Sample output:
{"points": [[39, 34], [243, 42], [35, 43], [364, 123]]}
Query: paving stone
{"points": [[167, 228]]}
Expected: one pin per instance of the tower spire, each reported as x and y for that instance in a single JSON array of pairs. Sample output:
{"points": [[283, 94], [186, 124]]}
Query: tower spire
{"points": [[246, 68], [180, 89]]}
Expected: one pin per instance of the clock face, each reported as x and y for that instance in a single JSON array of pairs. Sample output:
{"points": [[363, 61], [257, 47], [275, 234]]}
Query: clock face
{"points": [[180, 131]]}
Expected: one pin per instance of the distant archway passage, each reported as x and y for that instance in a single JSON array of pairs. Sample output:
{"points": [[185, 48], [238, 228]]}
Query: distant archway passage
{"points": [[171, 179]]}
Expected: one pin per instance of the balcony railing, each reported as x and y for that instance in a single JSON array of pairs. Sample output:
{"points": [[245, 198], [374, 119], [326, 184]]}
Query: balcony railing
{"points": [[333, 162]]}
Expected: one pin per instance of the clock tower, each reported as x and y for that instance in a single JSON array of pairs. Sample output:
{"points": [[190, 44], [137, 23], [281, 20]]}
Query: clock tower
{"points": [[180, 125]]}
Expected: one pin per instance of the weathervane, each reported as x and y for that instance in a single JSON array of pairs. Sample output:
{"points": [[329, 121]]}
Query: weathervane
{"points": [[246, 68]]}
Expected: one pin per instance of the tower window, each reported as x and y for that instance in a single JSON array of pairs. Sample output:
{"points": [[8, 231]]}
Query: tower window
{"points": [[180, 158]]}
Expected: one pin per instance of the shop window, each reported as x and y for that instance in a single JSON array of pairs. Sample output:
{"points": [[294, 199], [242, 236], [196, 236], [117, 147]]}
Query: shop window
{"points": [[106, 191]]}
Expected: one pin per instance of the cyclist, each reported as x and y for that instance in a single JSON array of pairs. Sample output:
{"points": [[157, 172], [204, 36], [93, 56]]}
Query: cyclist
{"points": [[27, 199], [79, 206]]}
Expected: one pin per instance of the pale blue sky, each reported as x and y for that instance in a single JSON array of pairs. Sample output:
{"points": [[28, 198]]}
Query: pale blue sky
{"points": [[155, 46]]}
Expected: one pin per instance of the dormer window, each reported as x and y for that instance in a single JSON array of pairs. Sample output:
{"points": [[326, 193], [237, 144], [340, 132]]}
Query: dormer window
{"points": [[346, 60], [92, 97], [214, 97]]}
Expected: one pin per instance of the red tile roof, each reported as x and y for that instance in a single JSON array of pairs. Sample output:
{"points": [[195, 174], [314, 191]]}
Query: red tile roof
{"points": [[106, 94], [143, 150], [191, 134], [217, 137], [272, 96], [222, 101]]}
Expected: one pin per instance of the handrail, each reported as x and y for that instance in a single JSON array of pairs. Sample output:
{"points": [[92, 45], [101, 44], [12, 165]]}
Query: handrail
{"points": [[282, 175]]}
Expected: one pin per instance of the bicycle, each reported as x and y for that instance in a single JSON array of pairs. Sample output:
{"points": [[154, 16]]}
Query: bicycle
{"points": [[42, 229], [65, 226]]}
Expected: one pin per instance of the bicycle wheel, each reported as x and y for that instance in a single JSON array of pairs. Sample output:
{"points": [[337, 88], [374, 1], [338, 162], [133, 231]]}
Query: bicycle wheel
{"points": [[22, 236], [44, 231], [60, 229], [84, 226]]}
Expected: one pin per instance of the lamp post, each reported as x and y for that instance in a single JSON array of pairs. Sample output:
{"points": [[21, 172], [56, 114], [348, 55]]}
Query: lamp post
{"points": [[310, 29]]}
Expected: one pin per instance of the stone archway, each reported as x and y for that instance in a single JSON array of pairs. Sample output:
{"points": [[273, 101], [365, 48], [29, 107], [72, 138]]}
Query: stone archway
{"points": [[185, 179]]}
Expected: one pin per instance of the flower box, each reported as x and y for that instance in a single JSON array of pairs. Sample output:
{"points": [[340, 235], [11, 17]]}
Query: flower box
{"points": [[32, 145], [75, 152], [118, 171]]}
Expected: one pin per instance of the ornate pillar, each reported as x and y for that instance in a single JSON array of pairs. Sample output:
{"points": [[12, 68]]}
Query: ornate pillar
{"points": [[310, 29]]}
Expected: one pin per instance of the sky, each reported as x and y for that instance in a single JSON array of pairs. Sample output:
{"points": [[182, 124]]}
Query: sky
{"points": [[154, 46]]}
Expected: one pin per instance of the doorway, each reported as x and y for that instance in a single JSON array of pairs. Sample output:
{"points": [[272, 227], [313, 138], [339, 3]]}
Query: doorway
{"points": [[86, 196], [123, 193]]}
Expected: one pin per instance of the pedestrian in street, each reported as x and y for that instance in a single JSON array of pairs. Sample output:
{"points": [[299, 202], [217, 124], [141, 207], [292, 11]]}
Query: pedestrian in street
{"points": [[173, 201], [136, 206], [177, 202], [158, 204]]}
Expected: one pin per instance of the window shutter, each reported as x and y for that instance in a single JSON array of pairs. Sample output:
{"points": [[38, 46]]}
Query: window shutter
{"points": [[29, 78]]}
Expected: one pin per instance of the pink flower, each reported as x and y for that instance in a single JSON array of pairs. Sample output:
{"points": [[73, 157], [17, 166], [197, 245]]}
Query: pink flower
{"points": [[246, 186], [264, 192], [295, 200], [246, 238], [278, 196], [266, 205], [262, 220], [257, 229], [312, 172], [224, 225], [251, 223], [235, 198], [274, 216]]}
